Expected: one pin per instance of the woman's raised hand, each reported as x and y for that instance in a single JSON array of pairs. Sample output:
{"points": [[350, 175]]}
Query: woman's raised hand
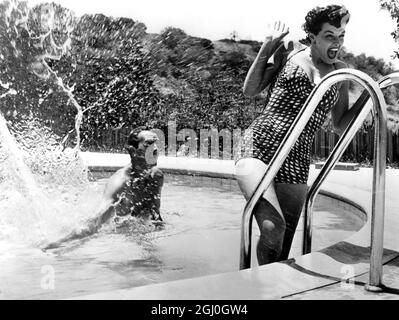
{"points": [[275, 34]]}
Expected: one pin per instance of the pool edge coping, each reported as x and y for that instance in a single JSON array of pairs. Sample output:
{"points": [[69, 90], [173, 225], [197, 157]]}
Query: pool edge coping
{"points": [[228, 176]]}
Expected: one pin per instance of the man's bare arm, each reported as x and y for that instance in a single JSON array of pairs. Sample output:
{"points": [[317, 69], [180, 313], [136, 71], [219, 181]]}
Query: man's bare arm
{"points": [[106, 210], [91, 227]]}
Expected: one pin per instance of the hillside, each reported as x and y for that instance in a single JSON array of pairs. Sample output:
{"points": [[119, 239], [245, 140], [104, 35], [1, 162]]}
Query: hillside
{"points": [[120, 76], [238, 56]]}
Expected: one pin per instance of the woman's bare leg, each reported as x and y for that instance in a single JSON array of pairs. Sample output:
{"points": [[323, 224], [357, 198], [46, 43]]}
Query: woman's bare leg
{"points": [[291, 198], [267, 211]]}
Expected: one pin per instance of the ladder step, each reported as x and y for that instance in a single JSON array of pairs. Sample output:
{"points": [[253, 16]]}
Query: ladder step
{"points": [[340, 166]]}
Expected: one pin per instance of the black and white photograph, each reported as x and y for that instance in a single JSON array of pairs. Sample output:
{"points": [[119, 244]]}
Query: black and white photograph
{"points": [[199, 155]]}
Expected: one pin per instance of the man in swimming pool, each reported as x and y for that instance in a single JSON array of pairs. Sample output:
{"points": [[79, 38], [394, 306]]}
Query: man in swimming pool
{"points": [[135, 189]]}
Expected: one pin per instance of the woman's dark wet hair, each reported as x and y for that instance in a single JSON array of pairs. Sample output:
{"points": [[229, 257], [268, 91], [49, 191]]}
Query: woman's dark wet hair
{"points": [[315, 18]]}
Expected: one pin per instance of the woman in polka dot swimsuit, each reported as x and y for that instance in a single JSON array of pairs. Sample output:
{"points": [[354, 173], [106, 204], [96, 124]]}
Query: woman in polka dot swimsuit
{"points": [[278, 211]]}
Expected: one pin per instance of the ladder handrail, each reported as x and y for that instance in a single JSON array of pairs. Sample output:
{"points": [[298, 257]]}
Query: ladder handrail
{"points": [[337, 152], [290, 138]]}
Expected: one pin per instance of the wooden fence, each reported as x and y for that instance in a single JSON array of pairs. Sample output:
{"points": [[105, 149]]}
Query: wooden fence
{"points": [[360, 149]]}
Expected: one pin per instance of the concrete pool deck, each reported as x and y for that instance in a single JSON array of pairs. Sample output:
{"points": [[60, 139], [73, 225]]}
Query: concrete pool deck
{"points": [[318, 275]]}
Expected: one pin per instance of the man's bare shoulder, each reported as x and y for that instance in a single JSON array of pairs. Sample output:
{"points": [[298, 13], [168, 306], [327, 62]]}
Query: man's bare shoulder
{"points": [[117, 182], [156, 171]]}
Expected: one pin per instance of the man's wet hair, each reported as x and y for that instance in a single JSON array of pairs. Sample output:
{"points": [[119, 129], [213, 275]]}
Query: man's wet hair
{"points": [[133, 140], [315, 18]]}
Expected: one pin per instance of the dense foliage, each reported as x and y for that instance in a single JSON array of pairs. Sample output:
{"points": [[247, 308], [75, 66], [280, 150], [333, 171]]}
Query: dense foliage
{"points": [[54, 64], [27, 88], [205, 84], [109, 72], [393, 8]]}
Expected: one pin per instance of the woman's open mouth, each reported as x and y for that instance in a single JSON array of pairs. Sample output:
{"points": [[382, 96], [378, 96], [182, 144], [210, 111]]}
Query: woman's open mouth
{"points": [[332, 53]]}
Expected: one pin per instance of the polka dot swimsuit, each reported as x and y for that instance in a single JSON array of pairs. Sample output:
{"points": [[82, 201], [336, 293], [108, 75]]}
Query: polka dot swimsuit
{"points": [[287, 94]]}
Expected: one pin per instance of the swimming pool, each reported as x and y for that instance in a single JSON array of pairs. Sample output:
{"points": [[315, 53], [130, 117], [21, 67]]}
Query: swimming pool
{"points": [[201, 237]]}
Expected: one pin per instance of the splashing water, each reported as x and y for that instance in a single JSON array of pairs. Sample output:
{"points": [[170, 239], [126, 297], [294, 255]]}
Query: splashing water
{"points": [[42, 186]]}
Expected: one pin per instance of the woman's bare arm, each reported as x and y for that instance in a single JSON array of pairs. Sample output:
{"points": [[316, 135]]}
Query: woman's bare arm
{"points": [[341, 114], [260, 72]]}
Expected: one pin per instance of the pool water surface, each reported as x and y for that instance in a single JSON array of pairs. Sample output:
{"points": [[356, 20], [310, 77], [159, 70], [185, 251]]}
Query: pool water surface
{"points": [[201, 236]]}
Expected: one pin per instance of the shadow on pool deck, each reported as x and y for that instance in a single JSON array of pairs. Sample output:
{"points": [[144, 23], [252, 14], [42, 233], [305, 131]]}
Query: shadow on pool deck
{"points": [[349, 253], [345, 253], [354, 288]]}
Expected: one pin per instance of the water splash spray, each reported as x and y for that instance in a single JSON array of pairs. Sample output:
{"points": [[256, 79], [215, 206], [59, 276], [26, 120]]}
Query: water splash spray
{"points": [[55, 52], [42, 212]]}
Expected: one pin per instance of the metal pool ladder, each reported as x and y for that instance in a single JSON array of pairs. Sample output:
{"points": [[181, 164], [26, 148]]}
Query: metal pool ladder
{"points": [[347, 136], [378, 201]]}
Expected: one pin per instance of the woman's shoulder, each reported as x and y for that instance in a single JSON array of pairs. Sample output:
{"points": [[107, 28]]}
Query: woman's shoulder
{"points": [[294, 75], [299, 61], [340, 65], [300, 58]]}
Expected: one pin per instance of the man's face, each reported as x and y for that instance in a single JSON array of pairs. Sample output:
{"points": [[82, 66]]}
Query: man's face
{"points": [[329, 41], [147, 147]]}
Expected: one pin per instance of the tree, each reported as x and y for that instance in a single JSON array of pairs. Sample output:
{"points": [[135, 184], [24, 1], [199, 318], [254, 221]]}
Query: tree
{"points": [[110, 74], [206, 85], [174, 54], [234, 36], [29, 90], [393, 7], [56, 67]]}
